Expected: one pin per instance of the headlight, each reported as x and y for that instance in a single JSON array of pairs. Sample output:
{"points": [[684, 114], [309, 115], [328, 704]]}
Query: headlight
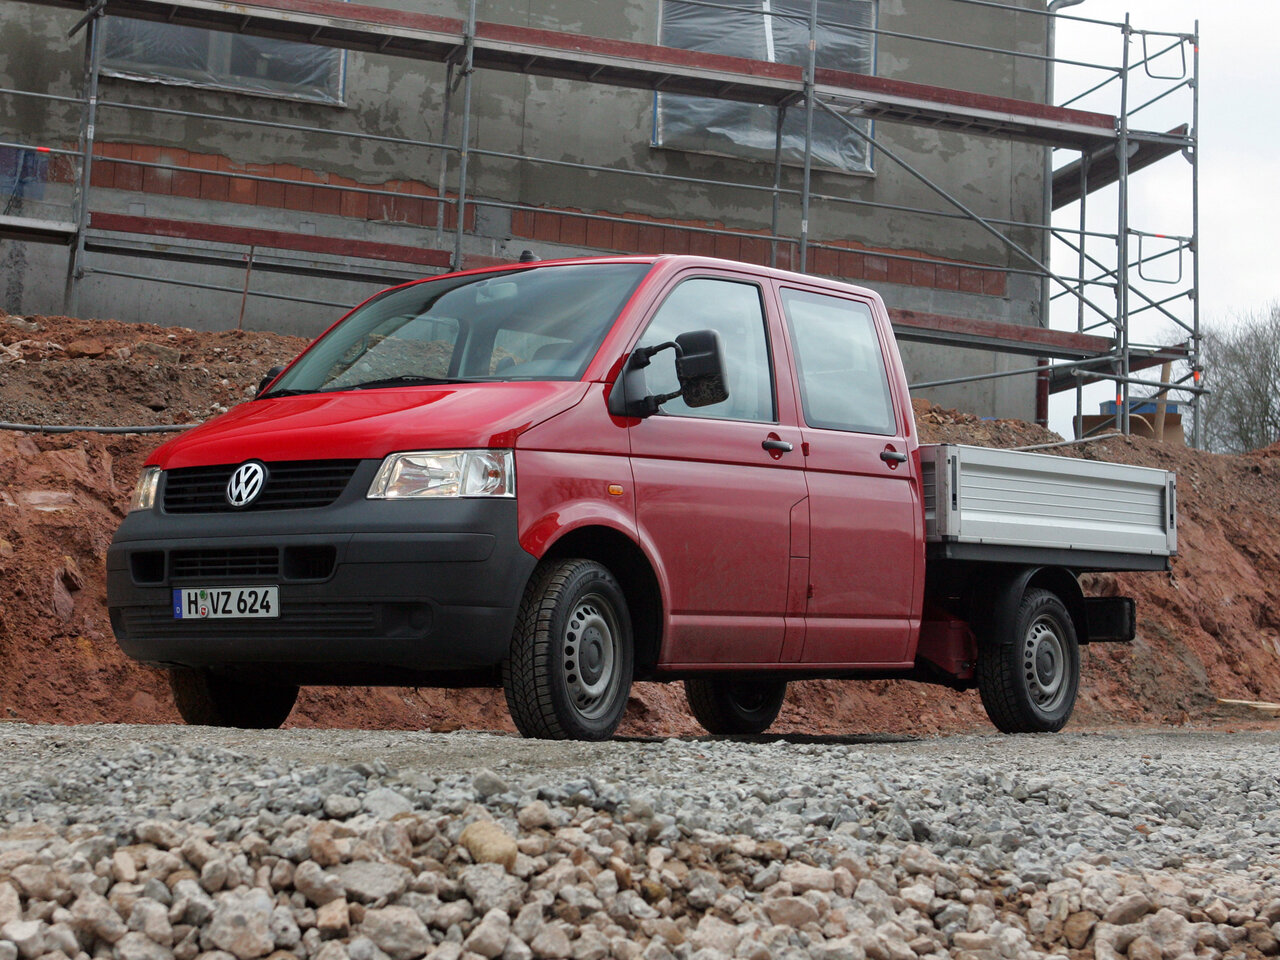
{"points": [[445, 473], [144, 493]]}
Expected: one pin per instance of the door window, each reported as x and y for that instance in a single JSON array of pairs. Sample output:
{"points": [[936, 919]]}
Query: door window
{"points": [[735, 311], [843, 384]]}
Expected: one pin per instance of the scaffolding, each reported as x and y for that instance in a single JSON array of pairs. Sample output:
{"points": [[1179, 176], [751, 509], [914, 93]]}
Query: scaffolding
{"points": [[1097, 305]]}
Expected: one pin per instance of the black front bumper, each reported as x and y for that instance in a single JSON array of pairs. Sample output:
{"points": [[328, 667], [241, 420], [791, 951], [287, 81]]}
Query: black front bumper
{"points": [[371, 591]]}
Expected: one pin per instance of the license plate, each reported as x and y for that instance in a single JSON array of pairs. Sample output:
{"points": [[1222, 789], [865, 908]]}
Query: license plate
{"points": [[226, 603]]}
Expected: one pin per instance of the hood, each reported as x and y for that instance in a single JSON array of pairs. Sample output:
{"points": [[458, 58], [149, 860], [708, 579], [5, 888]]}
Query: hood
{"points": [[369, 424]]}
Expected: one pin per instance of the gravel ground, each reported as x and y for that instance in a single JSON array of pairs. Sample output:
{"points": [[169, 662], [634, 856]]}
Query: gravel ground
{"points": [[172, 843]]}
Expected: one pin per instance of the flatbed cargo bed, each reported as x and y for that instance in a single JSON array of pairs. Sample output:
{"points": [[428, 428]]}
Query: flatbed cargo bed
{"points": [[1007, 506]]}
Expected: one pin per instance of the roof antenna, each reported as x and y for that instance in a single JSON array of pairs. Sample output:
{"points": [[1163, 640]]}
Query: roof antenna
{"points": [[526, 256]]}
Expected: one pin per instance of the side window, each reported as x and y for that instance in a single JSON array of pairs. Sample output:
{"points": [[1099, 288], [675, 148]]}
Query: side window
{"points": [[843, 384], [734, 310]]}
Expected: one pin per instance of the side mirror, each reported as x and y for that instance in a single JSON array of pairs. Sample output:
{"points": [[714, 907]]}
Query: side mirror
{"points": [[266, 380], [700, 368]]}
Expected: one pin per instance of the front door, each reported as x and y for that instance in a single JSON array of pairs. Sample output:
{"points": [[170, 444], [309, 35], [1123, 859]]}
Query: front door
{"points": [[716, 485], [866, 554]]}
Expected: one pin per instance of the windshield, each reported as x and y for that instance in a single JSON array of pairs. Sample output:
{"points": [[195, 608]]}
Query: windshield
{"points": [[544, 323]]}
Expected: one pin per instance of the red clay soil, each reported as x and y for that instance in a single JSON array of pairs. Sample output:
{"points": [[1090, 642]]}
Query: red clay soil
{"points": [[1208, 629]]}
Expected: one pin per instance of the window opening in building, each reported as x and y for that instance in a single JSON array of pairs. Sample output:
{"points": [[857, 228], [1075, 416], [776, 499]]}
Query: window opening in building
{"points": [[776, 31], [169, 53]]}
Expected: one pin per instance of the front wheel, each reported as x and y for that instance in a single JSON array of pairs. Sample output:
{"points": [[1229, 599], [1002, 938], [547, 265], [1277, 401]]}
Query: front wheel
{"points": [[569, 671], [1028, 678], [215, 700], [724, 705]]}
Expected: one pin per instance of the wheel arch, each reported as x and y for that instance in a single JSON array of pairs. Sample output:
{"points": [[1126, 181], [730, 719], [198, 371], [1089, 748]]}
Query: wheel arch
{"points": [[623, 558], [1003, 596]]}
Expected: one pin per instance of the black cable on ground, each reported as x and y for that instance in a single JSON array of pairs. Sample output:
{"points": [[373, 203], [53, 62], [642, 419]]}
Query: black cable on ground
{"points": [[80, 428]]}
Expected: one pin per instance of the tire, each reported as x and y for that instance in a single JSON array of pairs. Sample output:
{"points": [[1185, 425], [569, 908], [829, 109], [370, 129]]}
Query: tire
{"points": [[213, 700], [569, 671], [1028, 677], [724, 705]]}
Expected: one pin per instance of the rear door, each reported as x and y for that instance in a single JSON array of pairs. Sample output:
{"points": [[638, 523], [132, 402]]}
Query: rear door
{"points": [[866, 537], [716, 486]]}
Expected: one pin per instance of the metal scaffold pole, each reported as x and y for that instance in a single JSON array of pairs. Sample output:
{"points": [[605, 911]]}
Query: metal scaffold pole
{"points": [[1122, 240], [1197, 429], [464, 143], [809, 78], [1080, 268], [777, 186], [92, 23]]}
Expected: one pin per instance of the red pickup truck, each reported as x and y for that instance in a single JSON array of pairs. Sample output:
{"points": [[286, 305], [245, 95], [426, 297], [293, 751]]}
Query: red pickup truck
{"points": [[565, 476]]}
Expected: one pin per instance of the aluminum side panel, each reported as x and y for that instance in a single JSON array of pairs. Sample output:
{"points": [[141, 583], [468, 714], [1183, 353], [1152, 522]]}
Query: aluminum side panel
{"points": [[1012, 498]]}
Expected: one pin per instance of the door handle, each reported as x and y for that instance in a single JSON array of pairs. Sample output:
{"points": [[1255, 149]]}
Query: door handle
{"points": [[780, 445], [893, 457]]}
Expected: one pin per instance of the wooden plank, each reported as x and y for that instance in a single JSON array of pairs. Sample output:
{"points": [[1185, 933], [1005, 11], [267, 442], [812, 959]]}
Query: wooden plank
{"points": [[1260, 705], [36, 230], [1007, 337]]}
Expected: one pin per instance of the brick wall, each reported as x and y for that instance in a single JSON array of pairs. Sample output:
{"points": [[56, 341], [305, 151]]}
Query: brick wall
{"points": [[142, 168]]}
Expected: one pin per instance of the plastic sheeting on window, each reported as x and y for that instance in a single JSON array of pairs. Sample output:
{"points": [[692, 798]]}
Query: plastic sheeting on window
{"points": [[750, 130], [168, 53], [23, 174]]}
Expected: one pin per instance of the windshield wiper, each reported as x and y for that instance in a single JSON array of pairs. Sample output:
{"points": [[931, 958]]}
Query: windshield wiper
{"points": [[272, 394], [401, 381]]}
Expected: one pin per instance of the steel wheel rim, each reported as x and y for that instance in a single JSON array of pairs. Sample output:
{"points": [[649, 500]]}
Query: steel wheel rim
{"points": [[591, 656], [1044, 664], [749, 697]]}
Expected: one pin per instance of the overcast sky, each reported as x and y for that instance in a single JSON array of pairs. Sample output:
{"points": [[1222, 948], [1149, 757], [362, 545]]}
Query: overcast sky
{"points": [[1239, 130], [1239, 136]]}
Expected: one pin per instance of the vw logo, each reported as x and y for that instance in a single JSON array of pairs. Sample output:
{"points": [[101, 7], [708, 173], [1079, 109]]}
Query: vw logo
{"points": [[246, 483]]}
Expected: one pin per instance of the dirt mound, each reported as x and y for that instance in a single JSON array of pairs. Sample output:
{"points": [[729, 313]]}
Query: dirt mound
{"points": [[1208, 629]]}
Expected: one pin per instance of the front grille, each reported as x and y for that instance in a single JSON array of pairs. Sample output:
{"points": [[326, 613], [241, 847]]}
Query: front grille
{"points": [[291, 485], [233, 562], [299, 619]]}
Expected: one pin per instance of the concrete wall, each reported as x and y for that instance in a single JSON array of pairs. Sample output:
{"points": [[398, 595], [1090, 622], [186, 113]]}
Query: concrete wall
{"points": [[543, 118]]}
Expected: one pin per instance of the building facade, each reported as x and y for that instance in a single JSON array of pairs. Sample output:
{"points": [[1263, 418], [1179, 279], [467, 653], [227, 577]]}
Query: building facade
{"points": [[330, 171]]}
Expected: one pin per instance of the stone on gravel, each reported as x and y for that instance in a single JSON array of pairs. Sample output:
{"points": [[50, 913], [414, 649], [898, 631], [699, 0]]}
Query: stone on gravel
{"points": [[164, 835], [333, 919], [534, 815], [316, 885], [489, 937], [714, 933], [340, 807], [241, 924], [791, 911], [1128, 909], [368, 881], [93, 913], [10, 905], [488, 784], [138, 946], [803, 877], [489, 887], [26, 935], [397, 931], [487, 842], [152, 919], [552, 942], [384, 803]]}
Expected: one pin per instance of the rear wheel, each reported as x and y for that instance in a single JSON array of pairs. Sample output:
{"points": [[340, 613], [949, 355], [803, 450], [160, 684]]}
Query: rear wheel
{"points": [[724, 705], [217, 700], [1028, 678], [569, 672]]}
